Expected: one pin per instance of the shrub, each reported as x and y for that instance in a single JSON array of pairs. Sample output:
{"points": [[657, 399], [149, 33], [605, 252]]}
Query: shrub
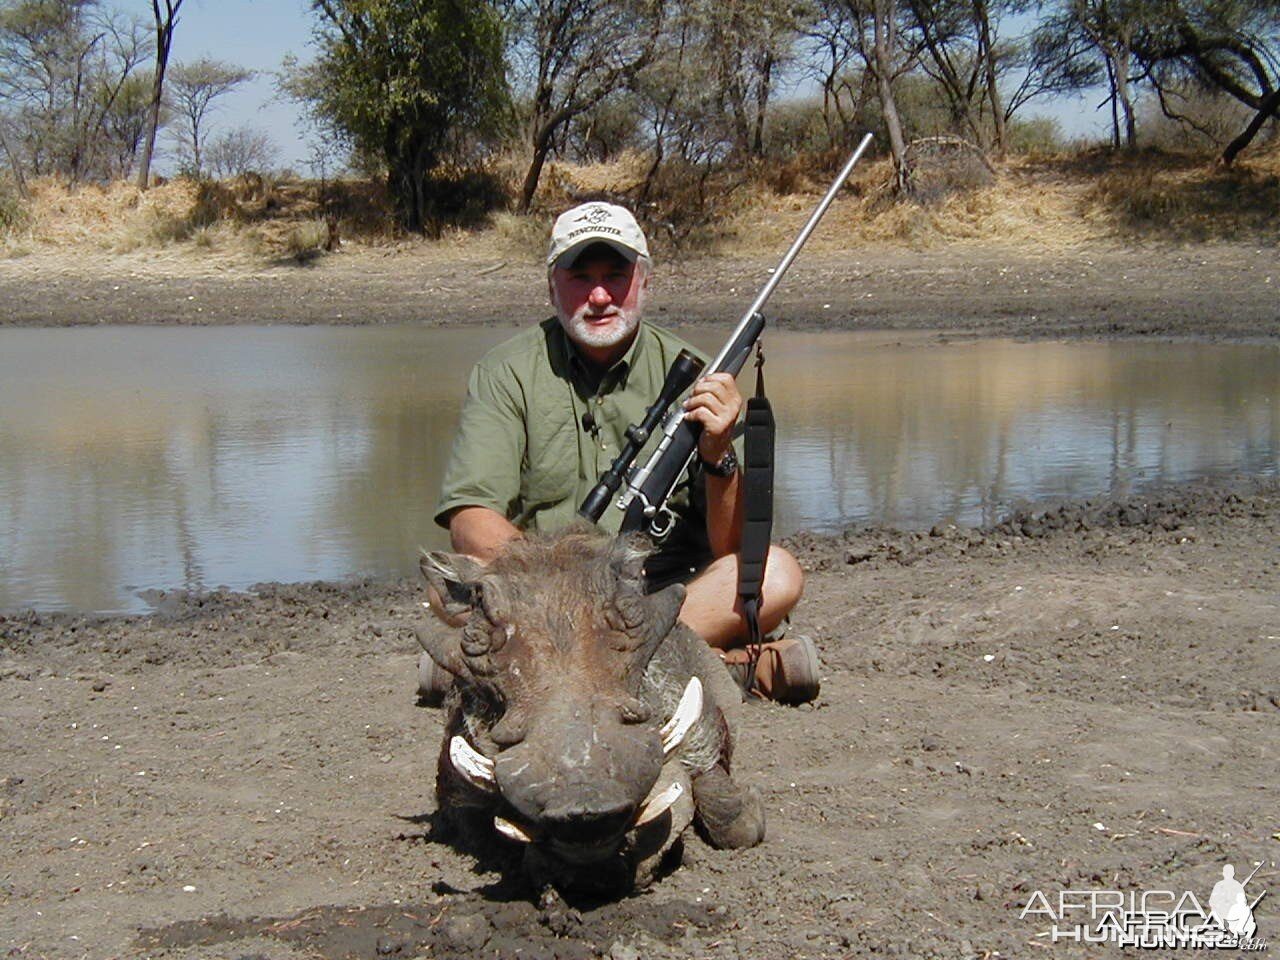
{"points": [[1040, 136], [307, 240], [14, 213], [942, 166]]}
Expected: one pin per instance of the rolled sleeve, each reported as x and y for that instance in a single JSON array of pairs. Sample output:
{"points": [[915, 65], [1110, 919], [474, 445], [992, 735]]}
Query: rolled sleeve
{"points": [[484, 464]]}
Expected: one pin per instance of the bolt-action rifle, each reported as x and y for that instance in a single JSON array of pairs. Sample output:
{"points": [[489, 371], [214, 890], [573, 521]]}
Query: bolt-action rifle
{"points": [[647, 488]]}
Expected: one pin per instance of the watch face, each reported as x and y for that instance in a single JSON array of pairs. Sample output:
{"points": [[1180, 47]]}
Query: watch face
{"points": [[727, 466]]}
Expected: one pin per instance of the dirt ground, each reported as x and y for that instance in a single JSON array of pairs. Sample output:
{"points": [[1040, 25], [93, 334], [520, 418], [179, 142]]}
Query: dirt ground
{"points": [[1209, 290], [1084, 697]]}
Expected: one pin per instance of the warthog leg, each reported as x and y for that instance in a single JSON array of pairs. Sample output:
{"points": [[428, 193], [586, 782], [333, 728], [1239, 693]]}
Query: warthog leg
{"points": [[729, 816]]}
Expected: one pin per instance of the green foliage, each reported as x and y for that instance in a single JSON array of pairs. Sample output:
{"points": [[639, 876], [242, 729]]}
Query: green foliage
{"points": [[192, 88], [64, 67], [1035, 135], [410, 81]]}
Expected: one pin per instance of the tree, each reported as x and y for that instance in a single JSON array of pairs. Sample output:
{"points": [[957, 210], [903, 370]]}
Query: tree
{"points": [[165, 23], [960, 37], [124, 126], [407, 81], [576, 53], [63, 66], [845, 92], [1111, 26], [871, 30], [240, 151], [192, 88], [750, 43], [1228, 45]]}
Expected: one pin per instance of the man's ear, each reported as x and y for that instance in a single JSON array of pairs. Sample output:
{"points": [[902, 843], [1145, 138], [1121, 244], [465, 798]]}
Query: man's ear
{"points": [[455, 580]]}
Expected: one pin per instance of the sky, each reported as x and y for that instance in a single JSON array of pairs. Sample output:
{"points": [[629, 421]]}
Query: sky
{"points": [[259, 33], [256, 34]]}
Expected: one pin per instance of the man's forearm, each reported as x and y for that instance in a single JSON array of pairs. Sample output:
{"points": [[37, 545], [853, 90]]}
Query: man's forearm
{"points": [[480, 532], [724, 514]]}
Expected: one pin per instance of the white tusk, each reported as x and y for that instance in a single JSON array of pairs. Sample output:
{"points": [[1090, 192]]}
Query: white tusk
{"points": [[688, 710], [475, 768], [511, 830], [659, 805]]}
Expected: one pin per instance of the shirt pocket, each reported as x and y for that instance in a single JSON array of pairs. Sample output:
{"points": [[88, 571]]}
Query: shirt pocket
{"points": [[550, 474]]}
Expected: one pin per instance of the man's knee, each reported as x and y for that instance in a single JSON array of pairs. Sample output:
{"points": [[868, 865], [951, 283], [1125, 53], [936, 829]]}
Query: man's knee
{"points": [[783, 581]]}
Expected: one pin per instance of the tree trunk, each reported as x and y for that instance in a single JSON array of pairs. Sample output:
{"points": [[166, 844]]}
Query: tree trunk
{"points": [[1125, 97], [1115, 98], [883, 26], [762, 103], [541, 147], [1269, 107], [993, 90], [164, 40], [18, 177], [544, 133]]}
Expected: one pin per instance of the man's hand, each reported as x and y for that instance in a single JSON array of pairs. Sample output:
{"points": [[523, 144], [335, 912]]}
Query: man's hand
{"points": [[716, 404]]}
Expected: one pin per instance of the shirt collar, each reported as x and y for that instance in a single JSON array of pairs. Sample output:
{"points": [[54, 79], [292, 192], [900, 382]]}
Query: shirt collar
{"points": [[616, 375]]}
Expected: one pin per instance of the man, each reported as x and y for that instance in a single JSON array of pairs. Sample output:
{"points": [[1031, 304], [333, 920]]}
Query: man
{"points": [[545, 415]]}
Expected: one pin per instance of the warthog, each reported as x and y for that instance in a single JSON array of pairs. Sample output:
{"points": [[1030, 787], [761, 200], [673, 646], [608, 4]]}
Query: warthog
{"points": [[587, 722]]}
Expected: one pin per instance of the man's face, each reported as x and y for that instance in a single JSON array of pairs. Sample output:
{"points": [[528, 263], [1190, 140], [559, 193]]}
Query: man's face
{"points": [[599, 301]]}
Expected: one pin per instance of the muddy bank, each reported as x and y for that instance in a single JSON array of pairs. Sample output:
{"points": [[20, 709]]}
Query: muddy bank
{"points": [[1209, 290], [1084, 696]]}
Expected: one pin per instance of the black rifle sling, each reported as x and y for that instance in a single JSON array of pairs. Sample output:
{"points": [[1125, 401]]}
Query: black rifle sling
{"points": [[757, 510]]}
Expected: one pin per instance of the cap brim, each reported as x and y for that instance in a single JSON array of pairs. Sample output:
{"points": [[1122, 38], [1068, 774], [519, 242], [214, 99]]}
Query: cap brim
{"points": [[567, 258]]}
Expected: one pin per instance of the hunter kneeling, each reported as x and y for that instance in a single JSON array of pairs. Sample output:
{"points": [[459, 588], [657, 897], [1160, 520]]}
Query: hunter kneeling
{"points": [[545, 415]]}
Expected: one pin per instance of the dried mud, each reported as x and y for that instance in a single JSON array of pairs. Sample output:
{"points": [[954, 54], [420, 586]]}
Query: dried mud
{"points": [[1084, 696], [1225, 290]]}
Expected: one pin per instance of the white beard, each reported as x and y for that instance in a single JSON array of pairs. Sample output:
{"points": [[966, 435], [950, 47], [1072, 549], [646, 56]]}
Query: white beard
{"points": [[582, 332]]}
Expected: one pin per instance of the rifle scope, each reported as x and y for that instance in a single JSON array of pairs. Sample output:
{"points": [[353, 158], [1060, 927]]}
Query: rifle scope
{"points": [[684, 370]]}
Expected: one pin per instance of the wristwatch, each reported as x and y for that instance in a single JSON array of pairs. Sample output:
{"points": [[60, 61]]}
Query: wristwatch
{"points": [[726, 468]]}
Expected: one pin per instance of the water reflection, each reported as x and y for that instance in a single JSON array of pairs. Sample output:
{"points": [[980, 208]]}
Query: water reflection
{"points": [[142, 458]]}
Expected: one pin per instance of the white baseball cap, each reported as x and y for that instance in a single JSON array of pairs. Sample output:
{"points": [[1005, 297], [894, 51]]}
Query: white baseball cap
{"points": [[595, 222]]}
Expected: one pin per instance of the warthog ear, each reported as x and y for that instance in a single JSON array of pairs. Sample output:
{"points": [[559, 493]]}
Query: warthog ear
{"points": [[625, 560], [455, 578], [663, 611]]}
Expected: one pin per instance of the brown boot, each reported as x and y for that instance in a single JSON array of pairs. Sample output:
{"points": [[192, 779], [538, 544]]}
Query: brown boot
{"points": [[787, 670]]}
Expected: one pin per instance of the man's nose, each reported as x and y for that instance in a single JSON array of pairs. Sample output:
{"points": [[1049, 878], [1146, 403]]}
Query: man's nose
{"points": [[600, 296]]}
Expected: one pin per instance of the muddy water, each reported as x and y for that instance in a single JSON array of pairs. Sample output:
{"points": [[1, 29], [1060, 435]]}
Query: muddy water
{"points": [[133, 459]]}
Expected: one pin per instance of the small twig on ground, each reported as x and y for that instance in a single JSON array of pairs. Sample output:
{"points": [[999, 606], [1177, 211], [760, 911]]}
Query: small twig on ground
{"points": [[1177, 833]]}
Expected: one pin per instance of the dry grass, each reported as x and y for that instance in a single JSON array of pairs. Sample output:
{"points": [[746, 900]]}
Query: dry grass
{"points": [[1047, 202]]}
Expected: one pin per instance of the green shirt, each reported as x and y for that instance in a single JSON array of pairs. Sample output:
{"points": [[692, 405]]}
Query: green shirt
{"points": [[524, 450]]}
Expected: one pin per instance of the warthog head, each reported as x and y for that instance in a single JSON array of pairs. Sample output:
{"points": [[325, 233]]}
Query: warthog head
{"points": [[580, 725]]}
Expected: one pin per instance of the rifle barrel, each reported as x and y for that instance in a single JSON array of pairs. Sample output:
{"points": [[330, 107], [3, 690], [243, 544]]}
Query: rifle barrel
{"points": [[767, 290]]}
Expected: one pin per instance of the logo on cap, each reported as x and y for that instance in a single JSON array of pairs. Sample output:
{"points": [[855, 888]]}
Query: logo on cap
{"points": [[595, 215]]}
